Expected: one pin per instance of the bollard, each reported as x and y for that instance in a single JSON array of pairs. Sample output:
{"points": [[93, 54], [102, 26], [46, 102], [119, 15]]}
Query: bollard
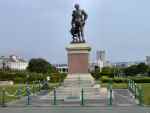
{"points": [[110, 93], [110, 96], [82, 97], [28, 96], [3, 97], [54, 96]]}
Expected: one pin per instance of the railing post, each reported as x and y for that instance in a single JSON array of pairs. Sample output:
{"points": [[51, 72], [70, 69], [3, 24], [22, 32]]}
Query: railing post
{"points": [[135, 87], [82, 97], [131, 85], [3, 97], [54, 96]]}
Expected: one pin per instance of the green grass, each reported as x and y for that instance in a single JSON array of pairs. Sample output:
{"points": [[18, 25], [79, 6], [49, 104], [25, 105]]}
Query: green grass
{"points": [[13, 90], [116, 85], [146, 88]]}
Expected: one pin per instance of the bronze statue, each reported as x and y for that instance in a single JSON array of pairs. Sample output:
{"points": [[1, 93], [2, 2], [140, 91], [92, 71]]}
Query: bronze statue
{"points": [[78, 21]]}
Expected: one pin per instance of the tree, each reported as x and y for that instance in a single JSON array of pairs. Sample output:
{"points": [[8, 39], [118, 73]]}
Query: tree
{"points": [[40, 65], [148, 72], [96, 73], [108, 71], [142, 68], [133, 70]]}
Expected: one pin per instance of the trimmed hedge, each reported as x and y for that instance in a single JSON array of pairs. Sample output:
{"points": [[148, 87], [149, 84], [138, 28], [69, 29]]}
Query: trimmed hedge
{"points": [[105, 79], [21, 77]]}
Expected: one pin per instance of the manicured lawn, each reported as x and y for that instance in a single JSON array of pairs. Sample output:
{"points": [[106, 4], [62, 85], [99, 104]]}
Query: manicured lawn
{"points": [[12, 90], [146, 88], [116, 85]]}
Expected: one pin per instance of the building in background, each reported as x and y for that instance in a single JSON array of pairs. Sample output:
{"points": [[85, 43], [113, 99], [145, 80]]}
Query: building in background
{"points": [[13, 63], [101, 59], [126, 64], [148, 60], [121, 64], [62, 68]]}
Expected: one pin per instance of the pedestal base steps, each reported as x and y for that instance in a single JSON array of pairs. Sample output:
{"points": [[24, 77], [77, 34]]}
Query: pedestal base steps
{"points": [[73, 85]]}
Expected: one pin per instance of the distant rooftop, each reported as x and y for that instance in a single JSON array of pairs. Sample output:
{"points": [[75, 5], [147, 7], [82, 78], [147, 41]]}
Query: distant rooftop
{"points": [[12, 58]]}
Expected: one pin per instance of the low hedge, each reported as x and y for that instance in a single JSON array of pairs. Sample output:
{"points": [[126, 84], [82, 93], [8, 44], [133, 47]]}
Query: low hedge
{"points": [[105, 79], [141, 79], [21, 77]]}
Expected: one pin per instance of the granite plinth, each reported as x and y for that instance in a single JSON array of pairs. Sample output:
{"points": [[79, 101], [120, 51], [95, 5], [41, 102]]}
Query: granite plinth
{"points": [[78, 58]]}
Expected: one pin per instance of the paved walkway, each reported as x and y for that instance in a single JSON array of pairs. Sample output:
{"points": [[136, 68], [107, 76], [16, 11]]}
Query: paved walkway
{"points": [[121, 97], [122, 103], [76, 110]]}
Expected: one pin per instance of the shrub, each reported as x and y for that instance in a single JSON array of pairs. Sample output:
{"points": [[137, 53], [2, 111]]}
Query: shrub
{"points": [[21, 77], [141, 79], [105, 79]]}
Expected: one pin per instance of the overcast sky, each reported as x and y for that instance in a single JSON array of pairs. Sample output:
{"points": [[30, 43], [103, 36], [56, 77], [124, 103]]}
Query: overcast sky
{"points": [[40, 28]]}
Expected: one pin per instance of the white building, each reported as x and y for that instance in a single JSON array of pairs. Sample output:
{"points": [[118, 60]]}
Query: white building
{"points": [[101, 59], [62, 68], [13, 62], [148, 60], [126, 64]]}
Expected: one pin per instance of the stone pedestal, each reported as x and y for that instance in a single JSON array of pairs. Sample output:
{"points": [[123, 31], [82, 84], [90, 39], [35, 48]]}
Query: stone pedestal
{"points": [[79, 78], [78, 58], [78, 72]]}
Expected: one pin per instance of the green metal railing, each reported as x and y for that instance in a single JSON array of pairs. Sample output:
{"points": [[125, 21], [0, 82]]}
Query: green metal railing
{"points": [[137, 91]]}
